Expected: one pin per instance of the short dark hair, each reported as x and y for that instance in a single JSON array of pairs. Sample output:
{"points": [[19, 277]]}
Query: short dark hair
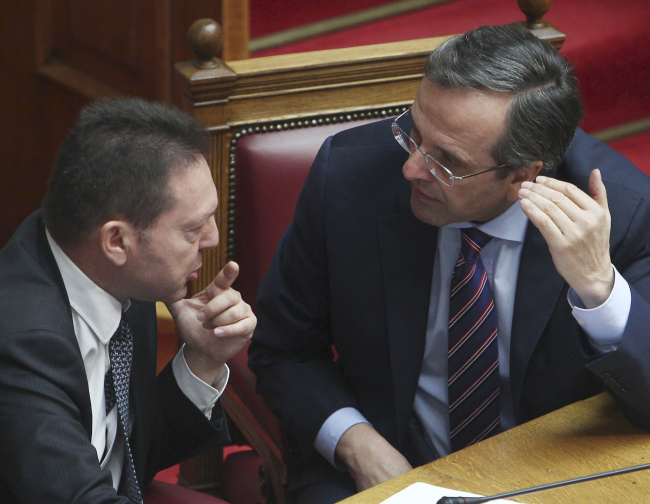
{"points": [[116, 163], [546, 109]]}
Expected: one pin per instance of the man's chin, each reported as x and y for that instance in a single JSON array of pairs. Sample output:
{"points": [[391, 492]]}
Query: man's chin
{"points": [[426, 214], [176, 296]]}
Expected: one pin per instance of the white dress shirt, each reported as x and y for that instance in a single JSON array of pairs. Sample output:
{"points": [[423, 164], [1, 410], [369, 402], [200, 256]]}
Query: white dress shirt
{"points": [[95, 316], [604, 326]]}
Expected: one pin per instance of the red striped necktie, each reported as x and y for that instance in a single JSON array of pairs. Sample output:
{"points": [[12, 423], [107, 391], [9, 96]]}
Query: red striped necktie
{"points": [[473, 350]]}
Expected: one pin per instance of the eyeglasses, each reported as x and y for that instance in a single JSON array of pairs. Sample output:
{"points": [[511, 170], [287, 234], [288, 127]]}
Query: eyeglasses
{"points": [[437, 169]]}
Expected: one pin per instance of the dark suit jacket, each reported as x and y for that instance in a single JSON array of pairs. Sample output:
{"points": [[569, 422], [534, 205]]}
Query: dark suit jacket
{"points": [[354, 271], [45, 417]]}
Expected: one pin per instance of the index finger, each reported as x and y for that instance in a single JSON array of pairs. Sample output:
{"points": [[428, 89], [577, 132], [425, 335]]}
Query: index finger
{"points": [[571, 191], [223, 280]]}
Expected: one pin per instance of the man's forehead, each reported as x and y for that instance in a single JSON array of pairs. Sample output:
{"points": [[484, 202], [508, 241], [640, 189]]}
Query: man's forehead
{"points": [[459, 107], [193, 191]]}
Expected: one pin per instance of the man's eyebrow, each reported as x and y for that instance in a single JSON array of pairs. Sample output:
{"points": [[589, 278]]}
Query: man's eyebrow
{"points": [[452, 157], [448, 154]]}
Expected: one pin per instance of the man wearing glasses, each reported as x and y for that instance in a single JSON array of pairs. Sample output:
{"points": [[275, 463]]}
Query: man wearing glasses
{"points": [[496, 271]]}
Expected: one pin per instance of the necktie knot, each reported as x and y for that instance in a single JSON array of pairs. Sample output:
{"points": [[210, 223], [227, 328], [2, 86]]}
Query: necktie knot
{"points": [[472, 242]]}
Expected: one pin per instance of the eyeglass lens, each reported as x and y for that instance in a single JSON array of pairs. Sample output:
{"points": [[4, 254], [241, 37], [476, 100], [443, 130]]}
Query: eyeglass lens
{"points": [[409, 145]]}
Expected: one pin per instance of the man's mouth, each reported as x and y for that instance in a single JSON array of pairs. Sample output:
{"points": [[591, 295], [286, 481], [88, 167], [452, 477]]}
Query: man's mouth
{"points": [[194, 274], [418, 194]]}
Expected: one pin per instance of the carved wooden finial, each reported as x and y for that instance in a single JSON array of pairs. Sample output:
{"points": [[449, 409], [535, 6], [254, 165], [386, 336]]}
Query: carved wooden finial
{"points": [[534, 11], [205, 37]]}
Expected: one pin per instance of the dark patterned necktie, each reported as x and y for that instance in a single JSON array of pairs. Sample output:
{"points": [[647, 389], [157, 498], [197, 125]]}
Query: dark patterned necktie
{"points": [[473, 349], [116, 388]]}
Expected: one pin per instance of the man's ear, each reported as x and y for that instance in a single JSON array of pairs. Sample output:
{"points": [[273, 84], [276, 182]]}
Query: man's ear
{"points": [[523, 174], [117, 240]]}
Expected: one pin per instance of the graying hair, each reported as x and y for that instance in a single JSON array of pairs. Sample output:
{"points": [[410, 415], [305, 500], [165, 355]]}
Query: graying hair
{"points": [[546, 109]]}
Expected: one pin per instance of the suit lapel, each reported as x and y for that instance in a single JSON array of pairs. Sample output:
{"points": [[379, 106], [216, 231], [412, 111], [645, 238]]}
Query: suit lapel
{"points": [[539, 287], [407, 248], [142, 400]]}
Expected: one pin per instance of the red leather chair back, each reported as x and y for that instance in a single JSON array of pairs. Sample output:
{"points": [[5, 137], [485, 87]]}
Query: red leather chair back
{"points": [[270, 169]]}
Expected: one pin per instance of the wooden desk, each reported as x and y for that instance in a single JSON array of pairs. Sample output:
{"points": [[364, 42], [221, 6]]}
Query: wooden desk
{"points": [[584, 438]]}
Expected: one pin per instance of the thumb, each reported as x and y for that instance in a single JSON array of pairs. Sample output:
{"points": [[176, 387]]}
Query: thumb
{"points": [[176, 308], [597, 188]]}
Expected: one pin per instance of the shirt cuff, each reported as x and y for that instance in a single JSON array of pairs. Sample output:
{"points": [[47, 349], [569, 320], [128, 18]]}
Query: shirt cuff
{"points": [[202, 395], [332, 430], [606, 323]]}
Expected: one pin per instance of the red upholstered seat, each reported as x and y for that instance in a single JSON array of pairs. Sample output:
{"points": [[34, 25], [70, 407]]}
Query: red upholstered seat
{"points": [[270, 169], [159, 492], [636, 148], [239, 470]]}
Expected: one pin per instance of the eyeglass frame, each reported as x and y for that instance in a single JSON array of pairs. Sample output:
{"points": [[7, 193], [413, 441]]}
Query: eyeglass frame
{"points": [[398, 133]]}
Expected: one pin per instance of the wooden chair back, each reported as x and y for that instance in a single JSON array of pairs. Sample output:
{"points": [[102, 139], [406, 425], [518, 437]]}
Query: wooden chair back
{"points": [[267, 118]]}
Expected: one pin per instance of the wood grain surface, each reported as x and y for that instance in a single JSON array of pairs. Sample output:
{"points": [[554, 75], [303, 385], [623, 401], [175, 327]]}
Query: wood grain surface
{"points": [[587, 437]]}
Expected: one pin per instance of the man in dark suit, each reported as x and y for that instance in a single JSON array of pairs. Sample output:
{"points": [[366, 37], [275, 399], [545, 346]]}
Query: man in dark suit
{"points": [[367, 267], [129, 208]]}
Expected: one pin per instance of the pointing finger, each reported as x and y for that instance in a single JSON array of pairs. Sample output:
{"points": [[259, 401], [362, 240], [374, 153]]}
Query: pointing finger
{"points": [[223, 280]]}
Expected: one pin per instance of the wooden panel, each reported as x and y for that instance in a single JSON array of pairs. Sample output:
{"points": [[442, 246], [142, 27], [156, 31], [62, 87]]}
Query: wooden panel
{"points": [[104, 35], [19, 152], [121, 46], [58, 55]]}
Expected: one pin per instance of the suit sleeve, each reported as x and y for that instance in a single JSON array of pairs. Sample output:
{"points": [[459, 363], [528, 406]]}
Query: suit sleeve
{"points": [[169, 427], [185, 431], [291, 351], [45, 421], [626, 371], [46, 451]]}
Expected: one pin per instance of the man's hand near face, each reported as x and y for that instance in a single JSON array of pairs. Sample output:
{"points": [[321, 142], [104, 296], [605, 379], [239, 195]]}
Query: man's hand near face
{"points": [[214, 324], [576, 227]]}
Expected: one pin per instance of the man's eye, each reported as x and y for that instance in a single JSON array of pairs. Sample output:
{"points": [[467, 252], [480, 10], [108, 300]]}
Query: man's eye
{"points": [[193, 234], [415, 136], [451, 161]]}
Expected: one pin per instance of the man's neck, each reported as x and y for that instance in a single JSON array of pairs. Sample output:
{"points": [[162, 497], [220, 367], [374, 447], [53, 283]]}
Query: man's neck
{"points": [[89, 261]]}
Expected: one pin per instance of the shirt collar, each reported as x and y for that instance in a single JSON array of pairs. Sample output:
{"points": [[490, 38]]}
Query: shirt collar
{"points": [[510, 225], [101, 311]]}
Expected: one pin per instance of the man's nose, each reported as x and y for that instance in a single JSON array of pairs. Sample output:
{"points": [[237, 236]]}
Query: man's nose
{"points": [[211, 237], [416, 168]]}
